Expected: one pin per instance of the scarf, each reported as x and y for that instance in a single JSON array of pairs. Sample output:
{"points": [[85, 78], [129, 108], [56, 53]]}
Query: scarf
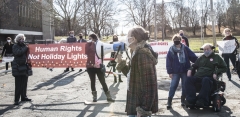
{"points": [[181, 52]]}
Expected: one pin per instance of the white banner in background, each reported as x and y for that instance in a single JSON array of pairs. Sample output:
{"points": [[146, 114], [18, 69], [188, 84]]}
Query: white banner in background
{"points": [[161, 48], [7, 59], [227, 46]]}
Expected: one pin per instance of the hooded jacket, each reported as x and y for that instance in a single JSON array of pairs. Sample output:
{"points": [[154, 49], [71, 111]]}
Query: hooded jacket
{"points": [[143, 90]]}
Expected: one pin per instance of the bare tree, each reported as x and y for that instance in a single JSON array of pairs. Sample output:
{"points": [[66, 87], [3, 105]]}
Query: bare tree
{"points": [[68, 10], [139, 11], [233, 13], [99, 13], [220, 13], [193, 15]]}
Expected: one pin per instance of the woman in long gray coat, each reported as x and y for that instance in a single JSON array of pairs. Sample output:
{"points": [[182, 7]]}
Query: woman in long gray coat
{"points": [[21, 77], [142, 92]]}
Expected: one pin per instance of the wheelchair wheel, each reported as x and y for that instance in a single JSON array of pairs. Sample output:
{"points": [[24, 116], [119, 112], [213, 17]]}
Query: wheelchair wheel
{"points": [[217, 106], [223, 100]]}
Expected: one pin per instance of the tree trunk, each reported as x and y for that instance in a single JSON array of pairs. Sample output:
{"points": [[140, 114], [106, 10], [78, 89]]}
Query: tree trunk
{"points": [[219, 27], [194, 30], [205, 32]]}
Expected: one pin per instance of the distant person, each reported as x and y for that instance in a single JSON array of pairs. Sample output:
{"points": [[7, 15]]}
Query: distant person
{"points": [[81, 40], [184, 39], [7, 50], [71, 39], [177, 64], [113, 63], [142, 91], [20, 51], [232, 56], [94, 68]]}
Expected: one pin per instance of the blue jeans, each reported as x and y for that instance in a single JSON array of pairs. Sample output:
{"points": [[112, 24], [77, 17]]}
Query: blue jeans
{"points": [[175, 82], [204, 93], [226, 58]]}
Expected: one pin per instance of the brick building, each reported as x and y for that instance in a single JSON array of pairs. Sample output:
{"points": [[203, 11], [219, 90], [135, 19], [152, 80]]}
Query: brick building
{"points": [[30, 17]]}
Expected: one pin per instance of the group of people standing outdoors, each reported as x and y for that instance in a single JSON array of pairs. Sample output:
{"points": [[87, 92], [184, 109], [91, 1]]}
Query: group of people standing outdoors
{"points": [[140, 70], [178, 64]]}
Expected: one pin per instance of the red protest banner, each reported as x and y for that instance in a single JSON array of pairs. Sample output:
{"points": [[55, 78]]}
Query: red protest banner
{"points": [[57, 55]]}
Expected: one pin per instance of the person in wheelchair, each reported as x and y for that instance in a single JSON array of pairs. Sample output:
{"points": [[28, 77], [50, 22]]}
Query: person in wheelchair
{"points": [[205, 74]]}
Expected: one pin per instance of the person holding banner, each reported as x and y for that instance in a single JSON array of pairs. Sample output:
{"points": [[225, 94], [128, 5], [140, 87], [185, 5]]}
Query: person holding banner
{"points": [[231, 56], [177, 64], [142, 92], [93, 68], [81, 40], [7, 50], [71, 39], [19, 70]]}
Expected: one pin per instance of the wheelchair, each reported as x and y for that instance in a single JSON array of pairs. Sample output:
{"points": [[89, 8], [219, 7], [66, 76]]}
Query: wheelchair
{"points": [[216, 97]]}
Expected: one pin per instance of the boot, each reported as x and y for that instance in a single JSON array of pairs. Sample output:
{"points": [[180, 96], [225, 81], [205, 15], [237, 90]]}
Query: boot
{"points": [[183, 100], [94, 93], [119, 80], [115, 79], [169, 103], [109, 98]]}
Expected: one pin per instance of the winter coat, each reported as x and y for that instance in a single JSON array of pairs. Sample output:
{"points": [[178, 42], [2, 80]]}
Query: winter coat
{"points": [[174, 66], [82, 41], [143, 90], [7, 49], [20, 57], [186, 40], [71, 39], [205, 65]]}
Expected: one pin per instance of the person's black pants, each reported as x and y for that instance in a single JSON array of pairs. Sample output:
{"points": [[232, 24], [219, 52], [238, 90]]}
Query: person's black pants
{"points": [[92, 74], [226, 58], [20, 87], [7, 65]]}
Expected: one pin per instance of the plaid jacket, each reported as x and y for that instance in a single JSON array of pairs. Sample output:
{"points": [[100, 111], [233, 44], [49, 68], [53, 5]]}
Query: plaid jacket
{"points": [[143, 90]]}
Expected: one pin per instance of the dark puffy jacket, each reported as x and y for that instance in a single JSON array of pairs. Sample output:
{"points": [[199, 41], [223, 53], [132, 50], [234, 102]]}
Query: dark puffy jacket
{"points": [[20, 57], [71, 39]]}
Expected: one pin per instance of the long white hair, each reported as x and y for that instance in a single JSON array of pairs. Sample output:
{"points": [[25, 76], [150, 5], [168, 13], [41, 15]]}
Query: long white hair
{"points": [[18, 37]]}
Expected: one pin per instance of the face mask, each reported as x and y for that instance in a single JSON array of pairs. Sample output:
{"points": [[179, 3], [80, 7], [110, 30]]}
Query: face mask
{"points": [[72, 35], [8, 41], [207, 53], [127, 42], [176, 42], [181, 34], [80, 36], [21, 41]]}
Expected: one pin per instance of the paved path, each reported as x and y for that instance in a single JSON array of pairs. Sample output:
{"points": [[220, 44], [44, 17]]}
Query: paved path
{"points": [[58, 94]]}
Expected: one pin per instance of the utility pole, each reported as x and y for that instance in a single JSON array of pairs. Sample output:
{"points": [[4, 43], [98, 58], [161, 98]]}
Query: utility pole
{"points": [[85, 26], [155, 20], [163, 20], [213, 23]]}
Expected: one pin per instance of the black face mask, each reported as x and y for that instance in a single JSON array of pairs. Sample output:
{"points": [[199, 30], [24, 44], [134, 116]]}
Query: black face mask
{"points": [[80, 36], [176, 42]]}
